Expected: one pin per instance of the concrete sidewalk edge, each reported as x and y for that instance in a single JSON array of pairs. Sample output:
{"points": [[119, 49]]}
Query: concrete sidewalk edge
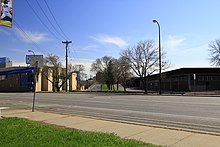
{"points": [[136, 123], [158, 135]]}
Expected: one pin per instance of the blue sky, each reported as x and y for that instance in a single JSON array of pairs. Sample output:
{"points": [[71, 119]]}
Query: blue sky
{"points": [[105, 27]]}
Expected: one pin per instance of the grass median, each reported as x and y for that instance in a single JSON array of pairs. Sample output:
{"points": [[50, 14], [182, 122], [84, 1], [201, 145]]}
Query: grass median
{"points": [[18, 132]]}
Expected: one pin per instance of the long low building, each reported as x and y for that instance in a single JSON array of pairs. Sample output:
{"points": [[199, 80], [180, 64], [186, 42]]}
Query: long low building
{"points": [[21, 79], [186, 79], [181, 80]]}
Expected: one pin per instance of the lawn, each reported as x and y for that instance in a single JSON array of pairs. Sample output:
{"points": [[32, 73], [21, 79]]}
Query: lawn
{"points": [[15, 132], [114, 90], [104, 87]]}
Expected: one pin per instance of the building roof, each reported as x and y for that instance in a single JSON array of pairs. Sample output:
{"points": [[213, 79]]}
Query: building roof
{"points": [[184, 71], [193, 71], [15, 70]]}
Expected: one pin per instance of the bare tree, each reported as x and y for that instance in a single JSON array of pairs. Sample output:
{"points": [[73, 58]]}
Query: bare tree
{"points": [[53, 65], [143, 59], [100, 67], [122, 71], [100, 64], [214, 49]]}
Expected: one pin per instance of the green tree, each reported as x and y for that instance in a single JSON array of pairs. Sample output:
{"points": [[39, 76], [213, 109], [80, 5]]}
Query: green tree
{"points": [[104, 69]]}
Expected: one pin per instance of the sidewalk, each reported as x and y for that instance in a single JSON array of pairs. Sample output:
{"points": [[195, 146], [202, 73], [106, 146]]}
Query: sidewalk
{"points": [[157, 136]]}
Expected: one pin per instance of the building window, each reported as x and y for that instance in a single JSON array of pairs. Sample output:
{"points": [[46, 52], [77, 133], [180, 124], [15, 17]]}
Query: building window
{"points": [[200, 78], [2, 77], [213, 78]]}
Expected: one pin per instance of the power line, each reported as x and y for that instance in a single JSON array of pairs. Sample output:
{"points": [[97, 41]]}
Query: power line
{"points": [[42, 21], [49, 20], [55, 19], [28, 37]]}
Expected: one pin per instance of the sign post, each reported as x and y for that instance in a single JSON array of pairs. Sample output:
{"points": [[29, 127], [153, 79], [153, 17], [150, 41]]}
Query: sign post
{"points": [[35, 61], [35, 80]]}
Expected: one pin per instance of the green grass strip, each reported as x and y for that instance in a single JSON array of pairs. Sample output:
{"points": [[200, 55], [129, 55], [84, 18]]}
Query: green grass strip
{"points": [[16, 132], [104, 87]]}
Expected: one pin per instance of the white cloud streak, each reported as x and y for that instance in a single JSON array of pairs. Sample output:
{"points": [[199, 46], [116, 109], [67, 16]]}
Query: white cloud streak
{"points": [[29, 36], [174, 41], [110, 40]]}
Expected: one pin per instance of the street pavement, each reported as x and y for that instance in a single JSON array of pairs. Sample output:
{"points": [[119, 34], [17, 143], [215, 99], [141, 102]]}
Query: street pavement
{"points": [[147, 134], [185, 112]]}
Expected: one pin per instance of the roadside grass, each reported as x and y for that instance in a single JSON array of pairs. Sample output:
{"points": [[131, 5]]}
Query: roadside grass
{"points": [[18, 132], [105, 89]]}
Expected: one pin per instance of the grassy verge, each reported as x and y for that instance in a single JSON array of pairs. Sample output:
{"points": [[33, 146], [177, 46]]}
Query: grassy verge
{"points": [[21, 132], [105, 89]]}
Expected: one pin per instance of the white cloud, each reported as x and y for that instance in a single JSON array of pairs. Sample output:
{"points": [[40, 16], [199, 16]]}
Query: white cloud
{"points": [[174, 41], [90, 47], [85, 49], [110, 40], [29, 36]]}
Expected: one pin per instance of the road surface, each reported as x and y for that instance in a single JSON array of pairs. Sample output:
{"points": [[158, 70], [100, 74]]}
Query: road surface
{"points": [[200, 113]]}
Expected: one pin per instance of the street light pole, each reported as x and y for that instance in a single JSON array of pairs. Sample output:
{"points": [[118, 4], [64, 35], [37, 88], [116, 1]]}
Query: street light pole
{"points": [[159, 91], [30, 51]]}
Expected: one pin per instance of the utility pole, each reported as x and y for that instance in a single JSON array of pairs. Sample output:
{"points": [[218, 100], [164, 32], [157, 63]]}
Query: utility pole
{"points": [[66, 43]]}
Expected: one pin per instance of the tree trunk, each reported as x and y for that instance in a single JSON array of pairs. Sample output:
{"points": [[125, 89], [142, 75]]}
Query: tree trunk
{"points": [[145, 85], [57, 87], [117, 86], [124, 84], [124, 89], [145, 90], [54, 89], [113, 87]]}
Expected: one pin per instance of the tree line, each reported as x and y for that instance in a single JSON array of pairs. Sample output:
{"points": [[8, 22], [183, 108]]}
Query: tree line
{"points": [[140, 60]]}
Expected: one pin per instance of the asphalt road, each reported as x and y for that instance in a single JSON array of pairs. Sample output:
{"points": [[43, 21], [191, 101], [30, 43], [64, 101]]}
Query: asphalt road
{"points": [[200, 113]]}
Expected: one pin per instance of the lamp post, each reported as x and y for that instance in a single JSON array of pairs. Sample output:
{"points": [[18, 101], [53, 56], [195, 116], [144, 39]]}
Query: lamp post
{"points": [[159, 91], [30, 51]]}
